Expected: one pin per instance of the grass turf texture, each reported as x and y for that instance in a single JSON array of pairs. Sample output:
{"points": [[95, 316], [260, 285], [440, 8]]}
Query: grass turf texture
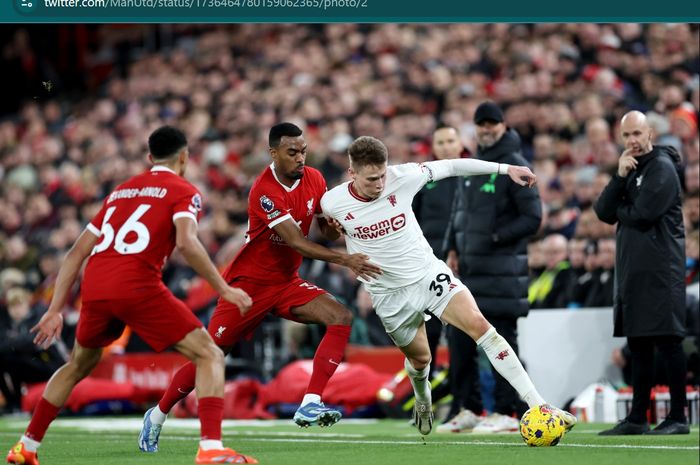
{"points": [[112, 441]]}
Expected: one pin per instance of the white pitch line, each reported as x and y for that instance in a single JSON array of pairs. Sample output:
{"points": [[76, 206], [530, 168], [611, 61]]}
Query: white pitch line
{"points": [[321, 439]]}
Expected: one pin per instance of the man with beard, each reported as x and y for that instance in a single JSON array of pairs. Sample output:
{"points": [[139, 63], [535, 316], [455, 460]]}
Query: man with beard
{"points": [[490, 224]]}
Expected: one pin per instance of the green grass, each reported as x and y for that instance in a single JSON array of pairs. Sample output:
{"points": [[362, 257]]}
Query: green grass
{"points": [[112, 441]]}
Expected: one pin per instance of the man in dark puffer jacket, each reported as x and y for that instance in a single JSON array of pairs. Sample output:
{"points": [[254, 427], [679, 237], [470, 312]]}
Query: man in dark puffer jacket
{"points": [[490, 224]]}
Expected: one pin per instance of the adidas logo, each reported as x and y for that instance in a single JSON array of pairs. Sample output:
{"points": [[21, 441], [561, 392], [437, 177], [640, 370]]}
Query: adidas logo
{"points": [[349, 217]]}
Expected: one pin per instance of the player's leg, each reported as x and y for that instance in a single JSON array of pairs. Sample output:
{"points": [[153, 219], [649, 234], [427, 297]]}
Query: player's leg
{"points": [[162, 322], [463, 313], [417, 365], [325, 310], [59, 387], [208, 360]]}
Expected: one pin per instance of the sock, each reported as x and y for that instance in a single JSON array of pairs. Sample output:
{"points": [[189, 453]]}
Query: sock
{"points": [[44, 414], [157, 416], [211, 444], [180, 386], [506, 362], [30, 444], [309, 398], [211, 413], [328, 356], [419, 381]]}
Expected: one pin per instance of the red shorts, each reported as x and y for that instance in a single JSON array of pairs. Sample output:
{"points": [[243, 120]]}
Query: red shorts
{"points": [[227, 326], [161, 320]]}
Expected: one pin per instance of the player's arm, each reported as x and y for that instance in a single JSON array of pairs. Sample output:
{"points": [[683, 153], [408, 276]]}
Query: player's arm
{"points": [[189, 245], [51, 323], [441, 169], [292, 235]]}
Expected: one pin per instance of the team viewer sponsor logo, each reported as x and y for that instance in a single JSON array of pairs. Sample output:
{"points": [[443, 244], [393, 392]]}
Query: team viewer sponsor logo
{"points": [[380, 228]]}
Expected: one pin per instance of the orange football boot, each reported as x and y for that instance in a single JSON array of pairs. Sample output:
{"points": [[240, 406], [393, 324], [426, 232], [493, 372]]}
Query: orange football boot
{"points": [[225, 455], [19, 455]]}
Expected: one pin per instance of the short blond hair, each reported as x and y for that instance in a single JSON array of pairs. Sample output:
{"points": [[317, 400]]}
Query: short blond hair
{"points": [[18, 295]]}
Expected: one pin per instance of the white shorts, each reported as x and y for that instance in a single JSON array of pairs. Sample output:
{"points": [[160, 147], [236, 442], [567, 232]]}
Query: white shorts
{"points": [[402, 311]]}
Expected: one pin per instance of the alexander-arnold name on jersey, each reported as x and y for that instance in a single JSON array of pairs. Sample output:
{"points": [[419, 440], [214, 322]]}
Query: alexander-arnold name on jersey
{"points": [[156, 192], [380, 228]]}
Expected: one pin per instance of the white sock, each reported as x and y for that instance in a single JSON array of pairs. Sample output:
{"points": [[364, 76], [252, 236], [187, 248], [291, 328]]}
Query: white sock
{"points": [[506, 362], [419, 381], [211, 444], [157, 416], [30, 444], [308, 398]]}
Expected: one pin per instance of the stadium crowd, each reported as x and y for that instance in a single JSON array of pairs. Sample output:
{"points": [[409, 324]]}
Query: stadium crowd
{"points": [[71, 138]]}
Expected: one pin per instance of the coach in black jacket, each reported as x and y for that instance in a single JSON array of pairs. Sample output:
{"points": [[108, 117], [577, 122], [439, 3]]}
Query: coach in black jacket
{"points": [[644, 198], [490, 224]]}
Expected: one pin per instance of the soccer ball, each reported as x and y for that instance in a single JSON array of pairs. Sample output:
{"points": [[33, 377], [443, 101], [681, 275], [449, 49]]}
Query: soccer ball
{"points": [[541, 426]]}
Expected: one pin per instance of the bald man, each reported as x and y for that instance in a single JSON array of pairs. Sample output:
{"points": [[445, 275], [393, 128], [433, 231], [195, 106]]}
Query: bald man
{"points": [[644, 199]]}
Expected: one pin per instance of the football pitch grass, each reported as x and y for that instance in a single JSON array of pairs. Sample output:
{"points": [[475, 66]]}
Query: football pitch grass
{"points": [[113, 441]]}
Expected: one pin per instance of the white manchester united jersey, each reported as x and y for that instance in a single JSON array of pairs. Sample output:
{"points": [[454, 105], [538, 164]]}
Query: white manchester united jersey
{"points": [[385, 228]]}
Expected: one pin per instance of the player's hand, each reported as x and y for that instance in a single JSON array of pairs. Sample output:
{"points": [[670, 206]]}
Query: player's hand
{"points": [[333, 223], [360, 265], [627, 162], [453, 262], [48, 329], [522, 175], [239, 298]]}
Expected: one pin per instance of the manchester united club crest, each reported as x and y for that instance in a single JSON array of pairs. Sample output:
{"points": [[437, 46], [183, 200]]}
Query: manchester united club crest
{"points": [[266, 204]]}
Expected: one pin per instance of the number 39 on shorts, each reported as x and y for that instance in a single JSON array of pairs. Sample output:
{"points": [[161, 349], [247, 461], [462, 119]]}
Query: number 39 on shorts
{"points": [[436, 284]]}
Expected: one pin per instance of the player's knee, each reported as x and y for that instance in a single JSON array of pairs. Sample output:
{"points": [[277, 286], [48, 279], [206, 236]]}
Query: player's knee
{"points": [[420, 361], [340, 317], [212, 353]]}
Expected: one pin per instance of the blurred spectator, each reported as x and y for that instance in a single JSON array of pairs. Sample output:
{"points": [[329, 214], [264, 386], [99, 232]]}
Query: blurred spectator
{"points": [[691, 210], [692, 257], [21, 361], [550, 289]]}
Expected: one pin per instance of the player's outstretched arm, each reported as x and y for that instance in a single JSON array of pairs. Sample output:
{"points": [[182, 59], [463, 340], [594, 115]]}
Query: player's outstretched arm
{"points": [[358, 263], [51, 323], [196, 255]]}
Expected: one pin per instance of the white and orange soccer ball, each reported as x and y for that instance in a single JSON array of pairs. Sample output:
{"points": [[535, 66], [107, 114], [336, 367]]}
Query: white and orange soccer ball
{"points": [[541, 426]]}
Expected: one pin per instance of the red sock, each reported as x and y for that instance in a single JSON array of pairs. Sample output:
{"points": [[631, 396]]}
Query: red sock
{"points": [[44, 414], [328, 356], [180, 386], [211, 413]]}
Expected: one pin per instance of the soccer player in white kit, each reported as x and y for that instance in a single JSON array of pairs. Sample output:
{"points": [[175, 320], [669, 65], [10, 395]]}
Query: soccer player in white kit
{"points": [[374, 211]]}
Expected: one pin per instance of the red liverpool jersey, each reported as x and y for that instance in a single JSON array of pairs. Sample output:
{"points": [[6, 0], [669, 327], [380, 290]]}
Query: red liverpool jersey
{"points": [[137, 234], [265, 257]]}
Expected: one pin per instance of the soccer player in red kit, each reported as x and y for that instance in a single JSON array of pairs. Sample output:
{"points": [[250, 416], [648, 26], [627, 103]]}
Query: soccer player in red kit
{"points": [[281, 206], [128, 241]]}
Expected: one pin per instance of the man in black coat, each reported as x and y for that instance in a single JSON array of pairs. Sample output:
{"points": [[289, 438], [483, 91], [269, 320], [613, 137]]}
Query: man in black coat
{"points": [[490, 224], [644, 198], [432, 206]]}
